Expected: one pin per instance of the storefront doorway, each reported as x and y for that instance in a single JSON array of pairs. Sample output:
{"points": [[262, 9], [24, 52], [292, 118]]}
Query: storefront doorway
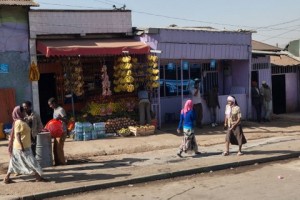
{"points": [[47, 89], [279, 94]]}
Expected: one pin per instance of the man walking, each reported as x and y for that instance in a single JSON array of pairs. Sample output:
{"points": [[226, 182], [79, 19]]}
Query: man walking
{"points": [[34, 122], [266, 93]]}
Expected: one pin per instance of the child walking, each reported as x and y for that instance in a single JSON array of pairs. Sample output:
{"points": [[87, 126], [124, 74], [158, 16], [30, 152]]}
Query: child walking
{"points": [[187, 118]]}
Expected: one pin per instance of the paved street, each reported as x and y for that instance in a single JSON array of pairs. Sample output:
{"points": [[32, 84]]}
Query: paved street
{"points": [[273, 181], [113, 162]]}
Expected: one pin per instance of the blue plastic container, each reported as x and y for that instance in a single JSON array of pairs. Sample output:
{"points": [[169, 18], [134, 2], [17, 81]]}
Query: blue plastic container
{"points": [[78, 136], [94, 135], [87, 136], [87, 127], [78, 127], [100, 126]]}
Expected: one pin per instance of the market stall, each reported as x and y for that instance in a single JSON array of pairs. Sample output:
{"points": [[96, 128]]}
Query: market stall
{"points": [[97, 82]]}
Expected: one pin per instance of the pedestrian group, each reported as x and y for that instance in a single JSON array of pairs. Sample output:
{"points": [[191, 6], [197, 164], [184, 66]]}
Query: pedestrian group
{"points": [[27, 124], [23, 137]]}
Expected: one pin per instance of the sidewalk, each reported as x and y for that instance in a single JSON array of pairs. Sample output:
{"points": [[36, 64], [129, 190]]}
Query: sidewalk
{"points": [[134, 160]]}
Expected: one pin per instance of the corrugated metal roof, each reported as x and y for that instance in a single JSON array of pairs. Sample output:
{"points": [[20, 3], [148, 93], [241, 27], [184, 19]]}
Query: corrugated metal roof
{"points": [[206, 28], [256, 45], [284, 60], [18, 3]]}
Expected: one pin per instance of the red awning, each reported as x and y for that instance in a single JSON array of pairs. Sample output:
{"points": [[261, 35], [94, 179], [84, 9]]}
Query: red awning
{"points": [[96, 47]]}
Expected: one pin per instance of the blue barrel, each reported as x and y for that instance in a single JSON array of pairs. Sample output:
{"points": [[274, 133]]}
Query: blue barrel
{"points": [[44, 149]]}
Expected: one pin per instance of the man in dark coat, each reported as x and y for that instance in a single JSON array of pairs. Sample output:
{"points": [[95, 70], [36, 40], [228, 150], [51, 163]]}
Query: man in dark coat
{"points": [[212, 104], [256, 100]]}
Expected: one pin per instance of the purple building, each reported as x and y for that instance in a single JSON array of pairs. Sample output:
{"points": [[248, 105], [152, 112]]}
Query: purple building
{"points": [[216, 57], [280, 69]]}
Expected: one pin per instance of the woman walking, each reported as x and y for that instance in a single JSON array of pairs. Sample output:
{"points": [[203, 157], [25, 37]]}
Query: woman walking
{"points": [[187, 118], [22, 160], [232, 124]]}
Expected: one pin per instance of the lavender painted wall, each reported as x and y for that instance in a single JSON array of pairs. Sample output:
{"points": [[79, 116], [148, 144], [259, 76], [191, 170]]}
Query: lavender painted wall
{"points": [[173, 105], [199, 44], [204, 37], [14, 51], [291, 94], [240, 74]]}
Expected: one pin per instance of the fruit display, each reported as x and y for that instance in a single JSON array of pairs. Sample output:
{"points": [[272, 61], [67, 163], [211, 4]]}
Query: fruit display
{"points": [[124, 132], [113, 125], [123, 79], [152, 72], [34, 74], [105, 82], [73, 79]]}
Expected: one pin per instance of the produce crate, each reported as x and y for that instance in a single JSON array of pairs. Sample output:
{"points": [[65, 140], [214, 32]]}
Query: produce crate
{"points": [[142, 131], [136, 130]]}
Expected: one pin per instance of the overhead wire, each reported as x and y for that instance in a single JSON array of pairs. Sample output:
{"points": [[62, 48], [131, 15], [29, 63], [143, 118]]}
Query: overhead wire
{"points": [[261, 28]]}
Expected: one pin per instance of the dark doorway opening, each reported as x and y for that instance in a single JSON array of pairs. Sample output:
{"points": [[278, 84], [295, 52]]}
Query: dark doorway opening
{"points": [[47, 89], [254, 76], [278, 94]]}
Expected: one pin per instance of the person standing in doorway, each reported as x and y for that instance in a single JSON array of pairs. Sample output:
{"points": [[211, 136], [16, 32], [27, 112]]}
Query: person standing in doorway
{"points": [[256, 100], [266, 93], [213, 103], [196, 98], [144, 106], [58, 145], [187, 117], [34, 121]]}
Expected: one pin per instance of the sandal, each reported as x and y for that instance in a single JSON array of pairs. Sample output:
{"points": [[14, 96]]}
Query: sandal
{"points": [[41, 180], [7, 181], [239, 153], [225, 153]]}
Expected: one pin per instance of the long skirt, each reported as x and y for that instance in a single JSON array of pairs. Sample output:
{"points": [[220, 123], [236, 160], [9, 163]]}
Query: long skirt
{"points": [[189, 142], [236, 136], [58, 150], [23, 162]]}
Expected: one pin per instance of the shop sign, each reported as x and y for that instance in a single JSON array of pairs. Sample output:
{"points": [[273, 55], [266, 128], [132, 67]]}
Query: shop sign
{"points": [[171, 66], [3, 68], [213, 64], [185, 65]]}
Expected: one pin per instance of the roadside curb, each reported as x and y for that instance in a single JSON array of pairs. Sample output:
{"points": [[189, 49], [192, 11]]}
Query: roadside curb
{"points": [[155, 177]]}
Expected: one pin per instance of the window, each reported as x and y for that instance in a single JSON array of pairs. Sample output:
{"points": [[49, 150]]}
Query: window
{"points": [[170, 77]]}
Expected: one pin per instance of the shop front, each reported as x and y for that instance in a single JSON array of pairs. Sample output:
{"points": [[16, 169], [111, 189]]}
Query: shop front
{"points": [[221, 58], [96, 80], [89, 61]]}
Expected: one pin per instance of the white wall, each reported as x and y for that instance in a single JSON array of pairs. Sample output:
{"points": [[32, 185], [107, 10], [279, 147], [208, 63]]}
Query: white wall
{"points": [[45, 22]]}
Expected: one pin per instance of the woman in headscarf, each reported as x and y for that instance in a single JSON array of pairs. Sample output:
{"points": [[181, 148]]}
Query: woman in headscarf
{"points": [[22, 160], [232, 124], [187, 118]]}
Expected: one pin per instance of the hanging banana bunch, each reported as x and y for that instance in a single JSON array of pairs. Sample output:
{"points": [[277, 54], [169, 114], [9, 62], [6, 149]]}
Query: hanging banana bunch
{"points": [[34, 74], [152, 72], [123, 76]]}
